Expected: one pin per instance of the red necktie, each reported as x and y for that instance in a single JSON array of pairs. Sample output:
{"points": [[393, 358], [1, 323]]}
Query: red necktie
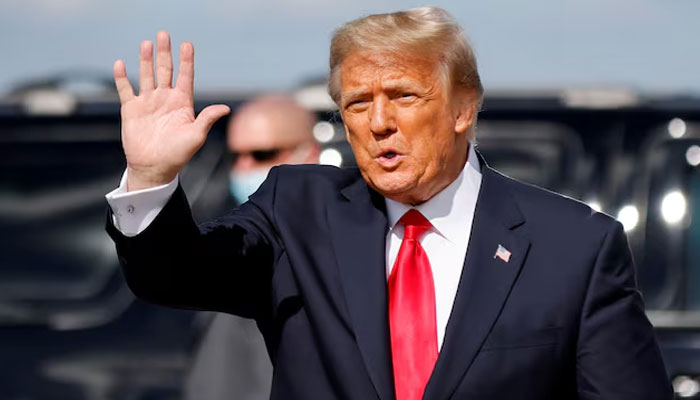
{"points": [[412, 319]]}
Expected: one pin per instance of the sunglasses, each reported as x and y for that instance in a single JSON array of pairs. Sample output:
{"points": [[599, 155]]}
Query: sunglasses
{"points": [[258, 155]]}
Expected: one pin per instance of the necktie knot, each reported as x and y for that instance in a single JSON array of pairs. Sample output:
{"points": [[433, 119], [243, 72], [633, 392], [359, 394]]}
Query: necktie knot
{"points": [[415, 224]]}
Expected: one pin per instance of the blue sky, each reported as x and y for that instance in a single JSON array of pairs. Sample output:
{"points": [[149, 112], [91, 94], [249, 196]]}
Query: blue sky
{"points": [[649, 45]]}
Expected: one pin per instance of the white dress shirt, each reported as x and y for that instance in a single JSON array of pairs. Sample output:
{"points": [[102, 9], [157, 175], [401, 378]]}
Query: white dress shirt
{"points": [[132, 212], [450, 212]]}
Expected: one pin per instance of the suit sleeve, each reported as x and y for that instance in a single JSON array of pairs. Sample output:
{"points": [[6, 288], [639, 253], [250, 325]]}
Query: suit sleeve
{"points": [[225, 265], [617, 353]]}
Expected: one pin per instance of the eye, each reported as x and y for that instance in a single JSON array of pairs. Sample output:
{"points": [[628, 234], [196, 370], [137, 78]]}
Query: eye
{"points": [[406, 97], [356, 105]]}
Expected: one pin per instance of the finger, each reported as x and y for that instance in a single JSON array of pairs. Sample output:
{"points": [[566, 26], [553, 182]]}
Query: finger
{"points": [[185, 76], [210, 115], [146, 67], [126, 92], [164, 60]]}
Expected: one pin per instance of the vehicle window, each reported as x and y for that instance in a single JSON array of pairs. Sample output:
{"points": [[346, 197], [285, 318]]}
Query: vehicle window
{"points": [[542, 153], [53, 177], [665, 244], [693, 241]]}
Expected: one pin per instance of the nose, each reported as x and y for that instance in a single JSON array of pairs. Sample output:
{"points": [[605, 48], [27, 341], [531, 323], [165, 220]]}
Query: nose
{"points": [[382, 116], [244, 162]]}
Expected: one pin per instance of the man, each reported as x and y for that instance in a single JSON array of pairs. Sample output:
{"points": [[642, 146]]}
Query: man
{"points": [[268, 131], [230, 359], [422, 274]]}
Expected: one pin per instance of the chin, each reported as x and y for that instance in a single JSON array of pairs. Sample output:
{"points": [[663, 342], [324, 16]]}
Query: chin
{"points": [[390, 185]]}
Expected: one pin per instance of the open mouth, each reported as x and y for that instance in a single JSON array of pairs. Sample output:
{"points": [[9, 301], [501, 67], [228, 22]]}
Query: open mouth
{"points": [[389, 155], [389, 158]]}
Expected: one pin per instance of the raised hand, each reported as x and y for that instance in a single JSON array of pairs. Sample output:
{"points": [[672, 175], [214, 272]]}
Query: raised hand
{"points": [[160, 133]]}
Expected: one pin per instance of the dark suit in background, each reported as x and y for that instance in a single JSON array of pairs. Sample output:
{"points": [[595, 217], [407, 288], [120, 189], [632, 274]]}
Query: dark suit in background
{"points": [[305, 258], [229, 361]]}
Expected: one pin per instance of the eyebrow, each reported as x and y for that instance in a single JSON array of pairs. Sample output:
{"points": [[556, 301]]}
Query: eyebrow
{"points": [[392, 85], [353, 94]]}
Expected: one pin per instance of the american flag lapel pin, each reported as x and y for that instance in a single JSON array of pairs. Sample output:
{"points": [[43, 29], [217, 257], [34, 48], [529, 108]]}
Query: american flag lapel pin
{"points": [[502, 253]]}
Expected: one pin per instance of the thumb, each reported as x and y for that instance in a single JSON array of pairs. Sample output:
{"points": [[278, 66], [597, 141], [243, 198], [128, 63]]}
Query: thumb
{"points": [[210, 115]]}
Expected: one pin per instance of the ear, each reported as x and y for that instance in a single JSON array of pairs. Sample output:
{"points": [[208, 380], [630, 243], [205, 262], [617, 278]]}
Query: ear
{"points": [[465, 110]]}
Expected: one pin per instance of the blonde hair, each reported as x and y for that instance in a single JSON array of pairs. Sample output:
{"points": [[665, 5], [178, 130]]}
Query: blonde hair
{"points": [[425, 31]]}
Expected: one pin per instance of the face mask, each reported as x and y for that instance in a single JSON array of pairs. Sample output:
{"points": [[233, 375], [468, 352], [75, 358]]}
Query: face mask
{"points": [[244, 184]]}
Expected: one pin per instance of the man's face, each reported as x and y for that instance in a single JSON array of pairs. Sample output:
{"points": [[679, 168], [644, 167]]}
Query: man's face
{"points": [[406, 127], [269, 131]]}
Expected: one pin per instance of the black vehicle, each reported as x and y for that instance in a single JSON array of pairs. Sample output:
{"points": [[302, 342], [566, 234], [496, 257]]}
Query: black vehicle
{"points": [[641, 164], [69, 326], [71, 329]]}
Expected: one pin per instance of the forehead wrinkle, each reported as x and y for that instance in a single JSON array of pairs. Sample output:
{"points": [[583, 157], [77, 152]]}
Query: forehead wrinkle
{"points": [[391, 81]]}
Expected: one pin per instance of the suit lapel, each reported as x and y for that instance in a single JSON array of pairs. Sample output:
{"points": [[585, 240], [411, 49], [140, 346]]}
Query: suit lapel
{"points": [[358, 227], [485, 283]]}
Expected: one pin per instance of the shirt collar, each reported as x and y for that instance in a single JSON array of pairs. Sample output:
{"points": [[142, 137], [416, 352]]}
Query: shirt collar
{"points": [[448, 209]]}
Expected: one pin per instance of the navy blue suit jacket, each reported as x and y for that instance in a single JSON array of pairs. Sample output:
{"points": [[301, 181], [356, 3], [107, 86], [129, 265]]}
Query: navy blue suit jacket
{"points": [[562, 319]]}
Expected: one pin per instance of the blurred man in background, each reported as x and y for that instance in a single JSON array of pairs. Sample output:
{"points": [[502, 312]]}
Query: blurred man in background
{"points": [[268, 131], [230, 360]]}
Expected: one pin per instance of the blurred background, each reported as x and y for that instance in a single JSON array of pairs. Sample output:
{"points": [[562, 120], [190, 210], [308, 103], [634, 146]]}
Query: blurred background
{"points": [[599, 100]]}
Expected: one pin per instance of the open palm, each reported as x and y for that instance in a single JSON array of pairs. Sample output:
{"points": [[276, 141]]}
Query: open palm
{"points": [[160, 133]]}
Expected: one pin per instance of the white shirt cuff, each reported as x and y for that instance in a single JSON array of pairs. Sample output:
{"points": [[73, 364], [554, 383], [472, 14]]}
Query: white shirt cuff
{"points": [[132, 212]]}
